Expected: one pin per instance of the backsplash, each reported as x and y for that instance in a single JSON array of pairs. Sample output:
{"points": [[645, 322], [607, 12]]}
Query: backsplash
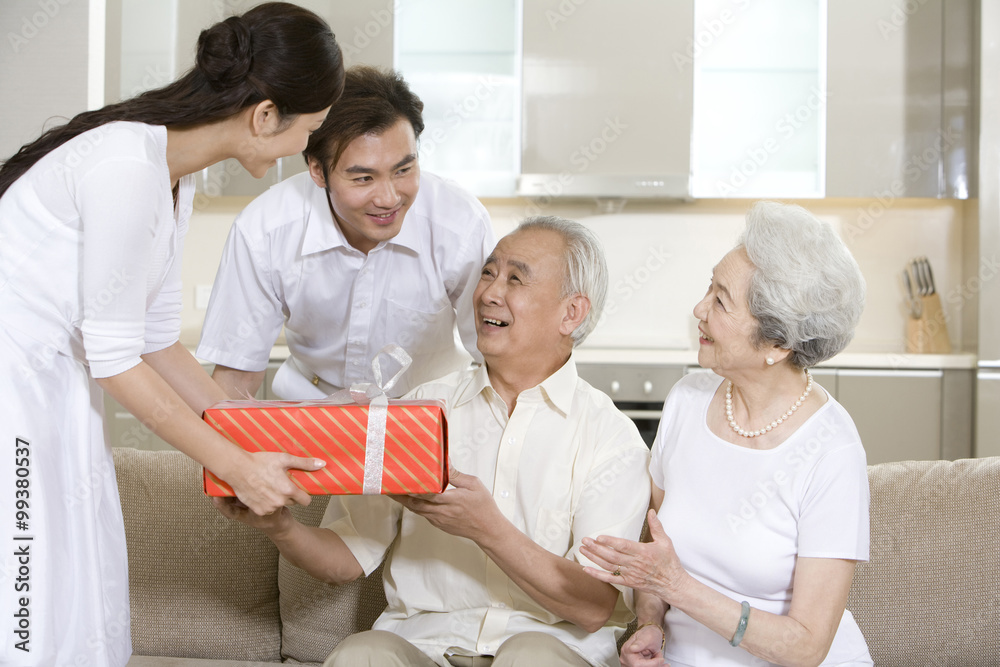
{"points": [[660, 258]]}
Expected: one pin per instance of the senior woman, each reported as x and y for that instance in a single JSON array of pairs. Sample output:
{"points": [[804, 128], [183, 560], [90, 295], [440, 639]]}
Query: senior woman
{"points": [[760, 488]]}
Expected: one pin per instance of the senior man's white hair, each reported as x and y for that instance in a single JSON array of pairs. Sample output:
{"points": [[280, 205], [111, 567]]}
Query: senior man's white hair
{"points": [[807, 291], [586, 268]]}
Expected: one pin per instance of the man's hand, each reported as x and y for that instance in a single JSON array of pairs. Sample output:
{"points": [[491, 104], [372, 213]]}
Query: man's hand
{"points": [[233, 508], [468, 510]]}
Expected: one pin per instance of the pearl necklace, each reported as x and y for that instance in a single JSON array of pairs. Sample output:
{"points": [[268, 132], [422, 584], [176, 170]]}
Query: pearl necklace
{"points": [[753, 434]]}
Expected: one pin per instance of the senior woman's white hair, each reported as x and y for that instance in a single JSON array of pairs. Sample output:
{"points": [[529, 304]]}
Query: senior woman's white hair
{"points": [[586, 268], [807, 292]]}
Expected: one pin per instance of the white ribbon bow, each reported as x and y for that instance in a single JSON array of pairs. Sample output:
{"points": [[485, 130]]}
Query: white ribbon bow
{"points": [[373, 394]]}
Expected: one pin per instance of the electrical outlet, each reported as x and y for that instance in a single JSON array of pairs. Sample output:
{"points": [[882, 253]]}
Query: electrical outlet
{"points": [[201, 296]]}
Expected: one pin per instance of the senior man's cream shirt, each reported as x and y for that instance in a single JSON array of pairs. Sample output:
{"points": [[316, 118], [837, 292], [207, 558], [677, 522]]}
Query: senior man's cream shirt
{"points": [[565, 465]]}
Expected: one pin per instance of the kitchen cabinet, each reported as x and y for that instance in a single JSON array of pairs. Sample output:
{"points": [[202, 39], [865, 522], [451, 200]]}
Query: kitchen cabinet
{"points": [[988, 414], [606, 107], [644, 98], [897, 413], [900, 414], [900, 86], [465, 65], [759, 99]]}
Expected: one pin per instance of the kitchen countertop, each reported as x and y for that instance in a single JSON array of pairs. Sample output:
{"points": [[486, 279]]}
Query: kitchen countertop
{"points": [[670, 357], [886, 360]]}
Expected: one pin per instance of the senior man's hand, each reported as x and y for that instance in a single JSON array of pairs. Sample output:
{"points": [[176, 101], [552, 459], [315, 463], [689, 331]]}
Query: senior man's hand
{"points": [[235, 509], [468, 510], [650, 567]]}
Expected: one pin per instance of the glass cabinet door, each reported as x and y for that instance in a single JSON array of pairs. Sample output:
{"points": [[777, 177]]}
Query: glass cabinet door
{"points": [[759, 98], [463, 60]]}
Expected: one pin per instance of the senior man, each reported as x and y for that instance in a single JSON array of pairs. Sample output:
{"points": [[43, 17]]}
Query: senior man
{"points": [[361, 251], [540, 460]]}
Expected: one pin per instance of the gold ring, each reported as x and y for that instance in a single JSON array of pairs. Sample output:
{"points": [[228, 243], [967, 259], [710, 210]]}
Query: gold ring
{"points": [[617, 572]]}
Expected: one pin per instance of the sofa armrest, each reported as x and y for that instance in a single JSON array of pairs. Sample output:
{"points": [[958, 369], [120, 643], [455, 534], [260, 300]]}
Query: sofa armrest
{"points": [[200, 586], [931, 592]]}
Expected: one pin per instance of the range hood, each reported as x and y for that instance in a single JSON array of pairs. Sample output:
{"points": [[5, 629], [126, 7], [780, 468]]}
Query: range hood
{"points": [[600, 120], [567, 184]]}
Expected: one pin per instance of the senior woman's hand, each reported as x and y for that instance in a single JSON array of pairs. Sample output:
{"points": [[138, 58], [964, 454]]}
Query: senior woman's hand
{"points": [[650, 567]]}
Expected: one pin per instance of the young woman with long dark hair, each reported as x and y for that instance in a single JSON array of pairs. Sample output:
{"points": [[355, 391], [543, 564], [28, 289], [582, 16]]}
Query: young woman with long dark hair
{"points": [[92, 219]]}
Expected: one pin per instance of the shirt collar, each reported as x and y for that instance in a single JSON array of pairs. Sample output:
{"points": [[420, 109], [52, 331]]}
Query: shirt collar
{"points": [[558, 387], [323, 232]]}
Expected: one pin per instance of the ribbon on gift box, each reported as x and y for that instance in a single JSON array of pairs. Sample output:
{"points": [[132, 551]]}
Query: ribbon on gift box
{"points": [[373, 394]]}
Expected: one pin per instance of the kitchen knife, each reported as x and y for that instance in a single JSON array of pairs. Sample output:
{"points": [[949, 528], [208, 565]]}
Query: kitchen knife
{"points": [[916, 308], [930, 276]]}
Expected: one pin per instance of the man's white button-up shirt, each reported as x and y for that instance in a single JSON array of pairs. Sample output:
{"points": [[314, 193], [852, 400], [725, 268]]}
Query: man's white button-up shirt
{"points": [[286, 262], [565, 465]]}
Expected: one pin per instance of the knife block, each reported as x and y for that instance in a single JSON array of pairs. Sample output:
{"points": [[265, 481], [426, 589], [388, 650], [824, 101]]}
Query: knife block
{"points": [[928, 334]]}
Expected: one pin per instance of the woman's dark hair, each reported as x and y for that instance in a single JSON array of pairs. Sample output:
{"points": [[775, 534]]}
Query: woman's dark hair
{"points": [[276, 51], [373, 101]]}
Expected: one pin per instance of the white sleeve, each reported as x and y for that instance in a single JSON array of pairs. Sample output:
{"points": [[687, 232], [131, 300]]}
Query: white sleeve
{"points": [[367, 524], [833, 515], [245, 313], [163, 316], [616, 493], [475, 249], [118, 227]]}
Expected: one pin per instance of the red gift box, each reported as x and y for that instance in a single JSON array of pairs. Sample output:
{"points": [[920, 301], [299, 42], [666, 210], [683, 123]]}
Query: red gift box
{"points": [[416, 443]]}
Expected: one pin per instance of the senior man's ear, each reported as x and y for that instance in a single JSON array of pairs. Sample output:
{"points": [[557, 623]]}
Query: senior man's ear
{"points": [[577, 307]]}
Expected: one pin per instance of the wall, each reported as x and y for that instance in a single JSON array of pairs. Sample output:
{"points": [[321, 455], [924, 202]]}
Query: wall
{"points": [[661, 256]]}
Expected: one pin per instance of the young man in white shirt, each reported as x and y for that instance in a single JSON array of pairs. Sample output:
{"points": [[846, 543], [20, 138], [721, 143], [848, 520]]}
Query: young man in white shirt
{"points": [[540, 460], [360, 251]]}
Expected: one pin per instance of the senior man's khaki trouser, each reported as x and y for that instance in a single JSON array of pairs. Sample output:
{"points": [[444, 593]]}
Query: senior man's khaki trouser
{"points": [[377, 648]]}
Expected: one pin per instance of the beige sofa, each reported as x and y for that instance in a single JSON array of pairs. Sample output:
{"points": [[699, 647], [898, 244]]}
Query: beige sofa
{"points": [[207, 592]]}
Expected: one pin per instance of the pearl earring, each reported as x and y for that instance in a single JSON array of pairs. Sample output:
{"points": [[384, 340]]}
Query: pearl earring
{"points": [[770, 361]]}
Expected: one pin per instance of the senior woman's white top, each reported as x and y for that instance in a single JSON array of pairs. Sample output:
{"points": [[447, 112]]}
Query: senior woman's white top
{"points": [[90, 245], [740, 517]]}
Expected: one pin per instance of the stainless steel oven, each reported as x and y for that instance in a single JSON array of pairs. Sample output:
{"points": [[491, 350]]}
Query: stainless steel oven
{"points": [[637, 390]]}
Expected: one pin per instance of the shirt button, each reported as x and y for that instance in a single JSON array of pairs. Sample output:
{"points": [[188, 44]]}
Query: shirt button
{"points": [[511, 440], [362, 304], [504, 494]]}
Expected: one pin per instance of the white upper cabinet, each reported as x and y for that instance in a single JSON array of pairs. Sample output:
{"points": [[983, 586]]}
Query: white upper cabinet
{"points": [[653, 98], [464, 61], [900, 121], [759, 98], [606, 98]]}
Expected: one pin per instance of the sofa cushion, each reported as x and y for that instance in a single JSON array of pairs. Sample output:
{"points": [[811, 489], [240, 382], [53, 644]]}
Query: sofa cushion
{"points": [[931, 591], [315, 616], [200, 586]]}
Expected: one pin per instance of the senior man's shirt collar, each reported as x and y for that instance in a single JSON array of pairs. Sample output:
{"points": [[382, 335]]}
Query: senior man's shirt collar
{"points": [[557, 389]]}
